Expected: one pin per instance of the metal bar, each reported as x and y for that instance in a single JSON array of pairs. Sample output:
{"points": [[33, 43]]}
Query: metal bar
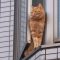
{"points": [[6, 41], [6, 11], [38, 49], [15, 50], [6, 16], [6, 26], [6, 1], [5, 51], [6, 46], [45, 54], [57, 53], [7, 6]]}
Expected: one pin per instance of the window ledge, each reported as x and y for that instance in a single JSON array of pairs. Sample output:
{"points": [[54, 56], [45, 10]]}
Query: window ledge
{"points": [[52, 45], [57, 40]]}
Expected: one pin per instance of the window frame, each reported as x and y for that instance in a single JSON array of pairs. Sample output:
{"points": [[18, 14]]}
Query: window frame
{"points": [[52, 22]]}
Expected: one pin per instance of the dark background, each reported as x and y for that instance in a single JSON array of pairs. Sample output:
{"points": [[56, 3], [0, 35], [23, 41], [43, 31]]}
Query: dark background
{"points": [[36, 2]]}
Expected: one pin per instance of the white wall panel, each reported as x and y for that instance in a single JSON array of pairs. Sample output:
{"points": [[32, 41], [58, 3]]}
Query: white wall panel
{"points": [[49, 30], [6, 29]]}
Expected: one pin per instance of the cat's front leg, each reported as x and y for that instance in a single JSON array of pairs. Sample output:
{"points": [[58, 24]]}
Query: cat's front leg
{"points": [[40, 41], [36, 43]]}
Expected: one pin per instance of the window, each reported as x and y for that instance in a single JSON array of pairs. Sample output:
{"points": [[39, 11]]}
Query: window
{"points": [[52, 31], [20, 27], [58, 11], [23, 10], [23, 24]]}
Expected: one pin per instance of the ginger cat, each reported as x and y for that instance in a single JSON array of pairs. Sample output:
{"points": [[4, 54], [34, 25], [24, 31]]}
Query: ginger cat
{"points": [[36, 24]]}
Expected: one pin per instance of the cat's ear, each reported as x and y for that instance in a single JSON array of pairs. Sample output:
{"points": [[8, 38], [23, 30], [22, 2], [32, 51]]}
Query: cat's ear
{"points": [[32, 6], [39, 5]]}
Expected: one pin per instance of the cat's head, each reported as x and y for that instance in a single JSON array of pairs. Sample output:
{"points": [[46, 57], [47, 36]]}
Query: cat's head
{"points": [[37, 12]]}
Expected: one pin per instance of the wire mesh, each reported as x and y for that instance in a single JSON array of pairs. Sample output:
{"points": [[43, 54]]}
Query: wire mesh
{"points": [[6, 29]]}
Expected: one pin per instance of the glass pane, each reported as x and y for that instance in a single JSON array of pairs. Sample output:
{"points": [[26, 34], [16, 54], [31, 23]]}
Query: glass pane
{"points": [[59, 18], [23, 21], [34, 2]]}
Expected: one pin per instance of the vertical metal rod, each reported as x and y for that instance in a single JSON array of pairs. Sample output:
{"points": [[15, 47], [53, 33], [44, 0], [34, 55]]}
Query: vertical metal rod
{"points": [[15, 30], [57, 53], [45, 54], [0, 7], [58, 17]]}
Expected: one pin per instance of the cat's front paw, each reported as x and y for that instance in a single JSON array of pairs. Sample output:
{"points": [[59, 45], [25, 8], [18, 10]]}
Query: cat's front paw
{"points": [[36, 45]]}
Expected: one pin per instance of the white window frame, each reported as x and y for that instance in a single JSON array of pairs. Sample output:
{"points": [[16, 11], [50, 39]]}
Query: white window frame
{"points": [[55, 19], [52, 17]]}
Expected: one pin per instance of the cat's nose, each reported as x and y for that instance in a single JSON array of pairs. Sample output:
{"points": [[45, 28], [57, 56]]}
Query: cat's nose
{"points": [[33, 14]]}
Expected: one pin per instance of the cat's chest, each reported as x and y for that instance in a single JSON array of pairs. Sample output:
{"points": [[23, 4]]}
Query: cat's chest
{"points": [[34, 23]]}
